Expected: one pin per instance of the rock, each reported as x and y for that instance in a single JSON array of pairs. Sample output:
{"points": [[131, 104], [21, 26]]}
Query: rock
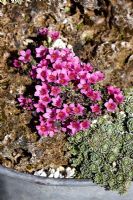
{"points": [[61, 176], [38, 173], [52, 171], [61, 168], [70, 172], [59, 44], [87, 35], [51, 176], [43, 174], [39, 20], [56, 174]]}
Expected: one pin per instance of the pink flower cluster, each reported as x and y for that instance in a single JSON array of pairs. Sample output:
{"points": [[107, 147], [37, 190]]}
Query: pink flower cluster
{"points": [[54, 35], [117, 98], [56, 72], [25, 102]]}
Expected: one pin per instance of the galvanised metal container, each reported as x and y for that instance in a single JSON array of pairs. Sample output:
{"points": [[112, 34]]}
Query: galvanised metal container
{"points": [[22, 186]]}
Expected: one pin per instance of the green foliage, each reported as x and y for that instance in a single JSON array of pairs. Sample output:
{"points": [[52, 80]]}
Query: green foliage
{"points": [[104, 153]]}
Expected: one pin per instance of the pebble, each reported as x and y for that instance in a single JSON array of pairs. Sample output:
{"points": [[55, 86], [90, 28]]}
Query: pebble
{"points": [[43, 174], [51, 176], [61, 168], [38, 173], [52, 171], [70, 172], [59, 44], [57, 174], [61, 176], [27, 41], [60, 172]]}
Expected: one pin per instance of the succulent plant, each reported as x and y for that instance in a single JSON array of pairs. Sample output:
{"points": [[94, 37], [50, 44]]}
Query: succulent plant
{"points": [[104, 153]]}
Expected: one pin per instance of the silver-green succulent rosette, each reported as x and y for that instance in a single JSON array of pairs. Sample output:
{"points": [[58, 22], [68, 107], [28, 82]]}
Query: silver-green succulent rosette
{"points": [[104, 153]]}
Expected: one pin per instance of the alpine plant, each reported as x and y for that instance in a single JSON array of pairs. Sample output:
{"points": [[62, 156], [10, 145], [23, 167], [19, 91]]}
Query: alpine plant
{"points": [[65, 98]]}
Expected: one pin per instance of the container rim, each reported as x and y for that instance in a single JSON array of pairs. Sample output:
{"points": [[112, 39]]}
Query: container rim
{"points": [[11, 173]]}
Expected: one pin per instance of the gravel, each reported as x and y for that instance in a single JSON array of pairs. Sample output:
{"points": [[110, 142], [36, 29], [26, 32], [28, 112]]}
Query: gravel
{"points": [[60, 172]]}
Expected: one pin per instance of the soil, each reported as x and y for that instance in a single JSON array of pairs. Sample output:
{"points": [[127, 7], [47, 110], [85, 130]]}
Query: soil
{"points": [[100, 32]]}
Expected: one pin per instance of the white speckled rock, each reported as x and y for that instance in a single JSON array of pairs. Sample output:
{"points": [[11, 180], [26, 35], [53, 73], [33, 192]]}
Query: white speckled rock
{"points": [[61, 169], [51, 171], [43, 174], [59, 44], [38, 173], [70, 172], [61, 176], [57, 174], [51, 176]]}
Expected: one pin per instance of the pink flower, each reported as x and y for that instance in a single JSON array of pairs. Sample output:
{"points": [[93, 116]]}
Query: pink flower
{"points": [[84, 86], [63, 81], [89, 93], [43, 63], [50, 114], [92, 78], [54, 35], [46, 99], [95, 95], [67, 109], [25, 56], [43, 31], [32, 72], [46, 129], [41, 90], [53, 55], [88, 67], [85, 124], [55, 90], [100, 75], [42, 129], [62, 73], [61, 115], [22, 100], [113, 90], [40, 107], [63, 77], [72, 75], [64, 53], [119, 98], [82, 75], [25, 102], [16, 63], [51, 76], [57, 64], [77, 67], [41, 119], [41, 51], [57, 101], [67, 65], [111, 105], [77, 110], [96, 109], [41, 73], [74, 126], [52, 128]]}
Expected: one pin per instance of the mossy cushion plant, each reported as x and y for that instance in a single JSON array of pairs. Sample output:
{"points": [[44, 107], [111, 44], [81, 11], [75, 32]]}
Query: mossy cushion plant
{"points": [[104, 153]]}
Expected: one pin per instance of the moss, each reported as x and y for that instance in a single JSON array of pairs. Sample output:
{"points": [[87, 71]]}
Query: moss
{"points": [[104, 153]]}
